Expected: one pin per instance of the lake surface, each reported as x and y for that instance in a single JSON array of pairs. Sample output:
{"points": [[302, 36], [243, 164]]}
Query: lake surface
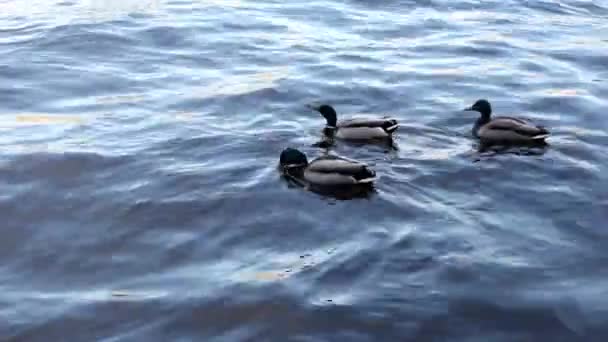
{"points": [[141, 199]]}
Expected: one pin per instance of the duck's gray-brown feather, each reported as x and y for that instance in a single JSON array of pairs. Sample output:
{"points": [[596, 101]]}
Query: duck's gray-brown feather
{"points": [[507, 129], [365, 128], [367, 122], [335, 164], [329, 179], [362, 133], [516, 125], [333, 170]]}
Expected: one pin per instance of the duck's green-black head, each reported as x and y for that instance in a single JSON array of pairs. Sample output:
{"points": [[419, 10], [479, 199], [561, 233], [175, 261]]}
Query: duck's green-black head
{"points": [[482, 106], [329, 113], [290, 157]]}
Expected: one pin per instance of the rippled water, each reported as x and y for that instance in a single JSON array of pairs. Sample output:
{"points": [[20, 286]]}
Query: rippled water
{"points": [[141, 201]]}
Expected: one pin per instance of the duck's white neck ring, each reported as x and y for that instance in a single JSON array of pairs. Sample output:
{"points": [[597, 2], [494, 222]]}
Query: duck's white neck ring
{"points": [[289, 166]]}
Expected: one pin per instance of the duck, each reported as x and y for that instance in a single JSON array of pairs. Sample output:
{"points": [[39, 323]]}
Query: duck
{"points": [[325, 171], [359, 129], [503, 129]]}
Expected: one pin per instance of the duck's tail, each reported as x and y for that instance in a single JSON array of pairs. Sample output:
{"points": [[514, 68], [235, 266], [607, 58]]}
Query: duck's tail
{"points": [[390, 126], [543, 133], [365, 175], [366, 180], [541, 136]]}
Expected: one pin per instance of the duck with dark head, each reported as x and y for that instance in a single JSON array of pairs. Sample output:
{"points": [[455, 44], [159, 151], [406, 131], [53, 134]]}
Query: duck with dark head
{"points": [[326, 173], [503, 129], [356, 129]]}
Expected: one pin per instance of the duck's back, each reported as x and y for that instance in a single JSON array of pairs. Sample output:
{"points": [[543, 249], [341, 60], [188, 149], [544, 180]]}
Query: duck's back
{"points": [[329, 164], [366, 122], [337, 170], [517, 125], [361, 133], [365, 128], [511, 129]]}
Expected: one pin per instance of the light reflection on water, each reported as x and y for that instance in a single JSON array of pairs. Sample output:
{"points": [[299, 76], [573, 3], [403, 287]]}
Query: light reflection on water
{"points": [[86, 9], [239, 84]]}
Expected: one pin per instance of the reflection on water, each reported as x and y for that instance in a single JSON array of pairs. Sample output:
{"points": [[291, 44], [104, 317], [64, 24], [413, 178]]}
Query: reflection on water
{"points": [[120, 99], [217, 3], [493, 151], [304, 263], [565, 92], [240, 84], [121, 6], [79, 10], [39, 119]]}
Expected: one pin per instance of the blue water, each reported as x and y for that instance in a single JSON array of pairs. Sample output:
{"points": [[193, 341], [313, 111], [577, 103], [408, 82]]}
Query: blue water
{"points": [[141, 201]]}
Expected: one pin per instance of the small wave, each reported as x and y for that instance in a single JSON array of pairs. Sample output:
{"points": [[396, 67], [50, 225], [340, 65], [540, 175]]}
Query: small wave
{"points": [[49, 166]]}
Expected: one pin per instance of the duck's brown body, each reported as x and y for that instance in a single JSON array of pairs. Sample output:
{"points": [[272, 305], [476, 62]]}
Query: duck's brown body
{"points": [[327, 170], [503, 129], [359, 128]]}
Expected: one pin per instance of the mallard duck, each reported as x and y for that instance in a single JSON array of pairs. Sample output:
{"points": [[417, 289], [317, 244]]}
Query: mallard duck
{"points": [[504, 129], [356, 128], [326, 170]]}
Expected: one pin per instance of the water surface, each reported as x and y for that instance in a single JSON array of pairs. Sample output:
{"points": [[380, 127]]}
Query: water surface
{"points": [[141, 200]]}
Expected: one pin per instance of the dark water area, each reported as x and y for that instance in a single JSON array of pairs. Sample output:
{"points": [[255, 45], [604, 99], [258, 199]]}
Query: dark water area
{"points": [[141, 199]]}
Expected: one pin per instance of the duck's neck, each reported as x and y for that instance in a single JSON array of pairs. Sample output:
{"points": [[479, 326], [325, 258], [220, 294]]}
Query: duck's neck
{"points": [[296, 170], [329, 131], [332, 121], [484, 119]]}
